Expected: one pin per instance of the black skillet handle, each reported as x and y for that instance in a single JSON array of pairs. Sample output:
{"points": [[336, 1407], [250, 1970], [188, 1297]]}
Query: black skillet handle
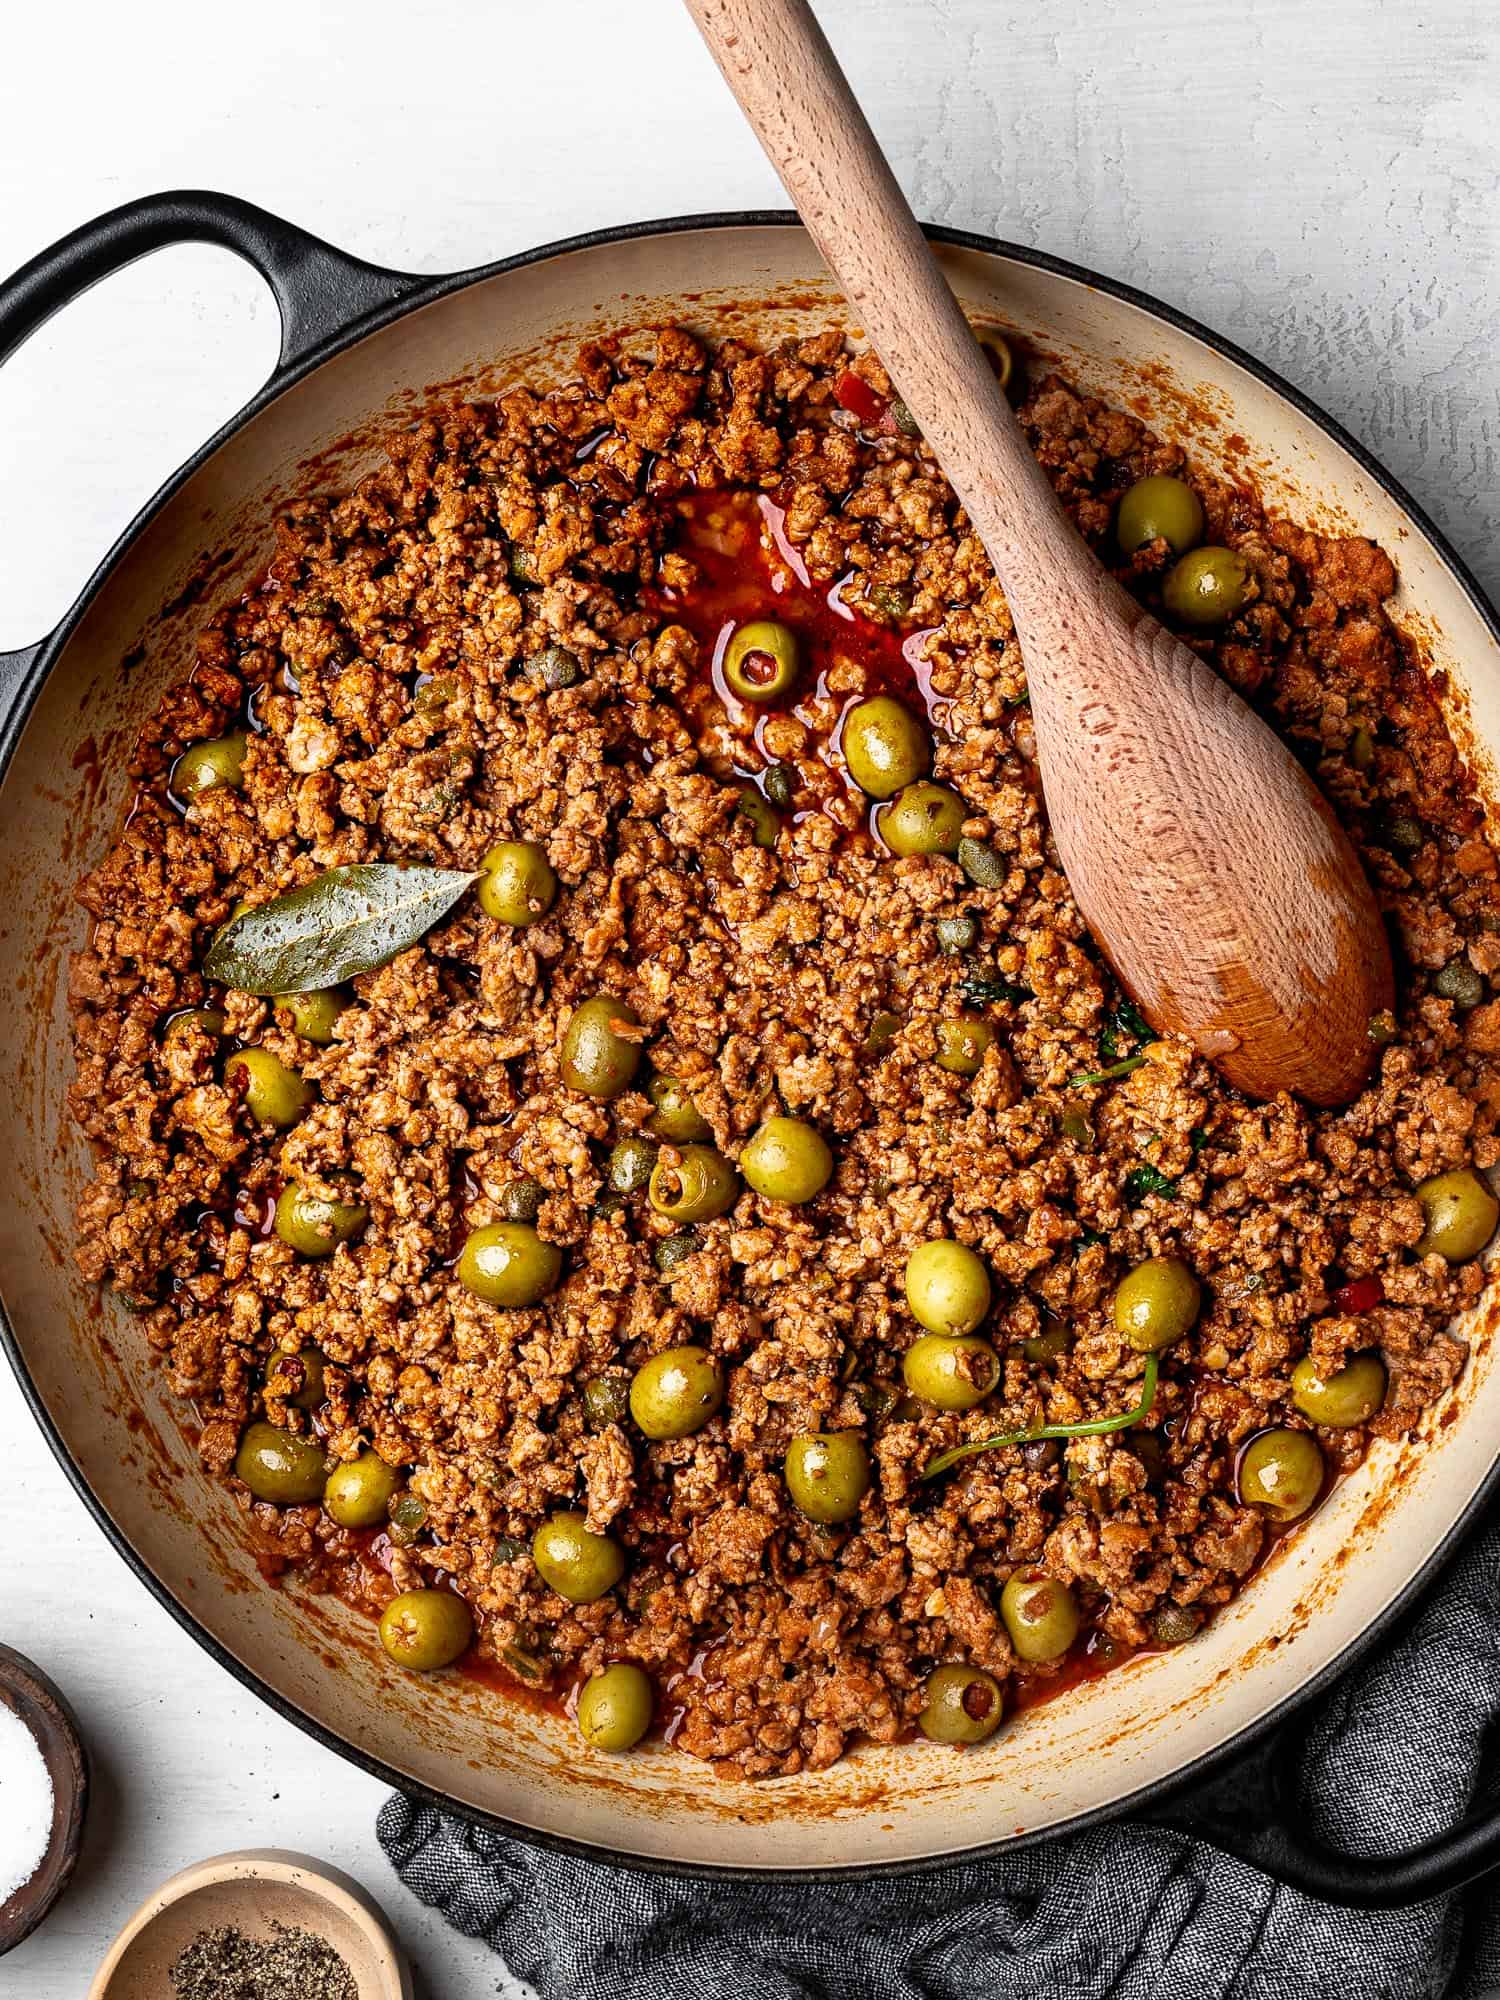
{"points": [[321, 292], [1248, 1809]]}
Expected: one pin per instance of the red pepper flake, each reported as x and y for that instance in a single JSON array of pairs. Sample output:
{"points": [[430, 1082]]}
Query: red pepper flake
{"points": [[854, 394], [1359, 1295]]}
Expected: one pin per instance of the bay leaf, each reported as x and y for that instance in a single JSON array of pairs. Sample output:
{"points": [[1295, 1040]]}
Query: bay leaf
{"points": [[344, 922]]}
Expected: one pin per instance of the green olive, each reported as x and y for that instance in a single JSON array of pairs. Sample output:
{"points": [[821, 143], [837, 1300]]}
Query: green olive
{"points": [[1362, 748], [963, 1705], [760, 661], [676, 1392], [1207, 586], [521, 1201], [281, 1467], [596, 1057], [962, 1042], [359, 1491], [606, 1400], [1159, 509], [925, 818], [315, 1227], [787, 1160], [205, 766], [297, 1378], [951, 1371], [1351, 1396], [578, 1564], [195, 1020], [1281, 1471], [884, 746], [1461, 1215], [423, 1630], [516, 883], [1053, 1341], [508, 1264], [615, 1707], [947, 1287], [1040, 1614], [314, 1015], [997, 348], [695, 1185], [827, 1475], [630, 1164], [677, 1117], [275, 1094], [1156, 1303]]}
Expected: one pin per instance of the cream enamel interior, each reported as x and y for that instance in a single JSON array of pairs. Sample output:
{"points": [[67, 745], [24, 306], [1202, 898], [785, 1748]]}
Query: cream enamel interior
{"points": [[1093, 1747]]}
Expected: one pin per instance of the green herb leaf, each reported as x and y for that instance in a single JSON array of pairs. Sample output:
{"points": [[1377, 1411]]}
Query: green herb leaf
{"points": [[1096, 1427], [344, 922], [981, 989], [1107, 1075], [1146, 1179]]}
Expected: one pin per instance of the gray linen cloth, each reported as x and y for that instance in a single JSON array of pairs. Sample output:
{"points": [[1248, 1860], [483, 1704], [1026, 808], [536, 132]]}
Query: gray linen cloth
{"points": [[1396, 1754]]}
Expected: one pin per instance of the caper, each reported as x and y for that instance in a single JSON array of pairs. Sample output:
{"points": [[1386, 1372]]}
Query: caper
{"points": [[273, 1093], [985, 866], [423, 1630], [358, 1492], [516, 883], [1282, 1471], [606, 1400], [1156, 1303], [315, 1226], [694, 1185], [962, 1043], [765, 826], [1461, 1214], [947, 1287], [614, 1707], [956, 934], [951, 1371], [1207, 586], [596, 1057], [787, 1160], [1362, 748], [314, 1015], [1351, 1396], [204, 767], [676, 1116], [521, 1201], [1175, 1624], [1404, 832], [279, 1466], [578, 1564], [1040, 1614], [780, 783], [674, 1250], [508, 1264], [554, 668], [297, 1378], [760, 661], [1460, 983], [408, 1518], [924, 818], [630, 1164], [194, 1020], [827, 1475], [962, 1705], [676, 1392], [884, 746], [1159, 509]]}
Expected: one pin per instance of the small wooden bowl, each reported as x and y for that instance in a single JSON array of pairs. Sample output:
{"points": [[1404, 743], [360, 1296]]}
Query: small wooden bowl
{"points": [[251, 1890], [28, 1692]]}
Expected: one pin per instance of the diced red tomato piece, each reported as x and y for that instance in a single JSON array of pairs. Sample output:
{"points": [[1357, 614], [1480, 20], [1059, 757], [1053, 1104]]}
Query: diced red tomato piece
{"points": [[855, 395], [1359, 1295]]}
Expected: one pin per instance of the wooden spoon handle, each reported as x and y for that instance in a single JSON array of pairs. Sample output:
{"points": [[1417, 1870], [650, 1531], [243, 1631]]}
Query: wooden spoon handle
{"points": [[776, 60]]}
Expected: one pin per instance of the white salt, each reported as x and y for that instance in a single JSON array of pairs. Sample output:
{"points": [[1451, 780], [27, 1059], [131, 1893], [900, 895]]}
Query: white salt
{"points": [[25, 1804]]}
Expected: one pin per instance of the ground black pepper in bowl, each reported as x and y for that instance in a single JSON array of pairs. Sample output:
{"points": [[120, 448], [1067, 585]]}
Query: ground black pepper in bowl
{"points": [[229, 1964]]}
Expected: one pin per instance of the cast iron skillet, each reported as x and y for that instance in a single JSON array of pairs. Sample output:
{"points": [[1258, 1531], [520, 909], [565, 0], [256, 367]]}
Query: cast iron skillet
{"points": [[1235, 1796]]}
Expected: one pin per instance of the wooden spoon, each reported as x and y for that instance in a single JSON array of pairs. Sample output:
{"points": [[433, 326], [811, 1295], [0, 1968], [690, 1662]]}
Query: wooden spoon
{"points": [[1209, 867]]}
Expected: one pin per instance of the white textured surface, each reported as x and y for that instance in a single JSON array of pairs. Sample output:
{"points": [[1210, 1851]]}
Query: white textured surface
{"points": [[1318, 182]]}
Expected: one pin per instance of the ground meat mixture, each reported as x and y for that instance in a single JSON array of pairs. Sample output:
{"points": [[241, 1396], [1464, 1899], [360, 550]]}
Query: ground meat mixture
{"points": [[513, 629]]}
